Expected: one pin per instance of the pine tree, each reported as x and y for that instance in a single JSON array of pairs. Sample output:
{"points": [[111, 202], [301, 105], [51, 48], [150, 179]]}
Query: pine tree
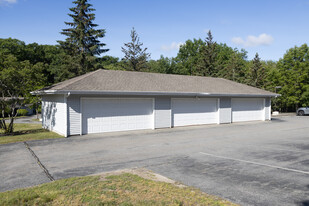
{"points": [[82, 42], [257, 72], [135, 58], [234, 69], [208, 57]]}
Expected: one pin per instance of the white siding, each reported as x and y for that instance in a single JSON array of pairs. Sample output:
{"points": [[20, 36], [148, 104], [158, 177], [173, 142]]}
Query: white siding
{"points": [[57, 110], [194, 111], [74, 115], [54, 113], [163, 112], [225, 110], [267, 109], [247, 109]]}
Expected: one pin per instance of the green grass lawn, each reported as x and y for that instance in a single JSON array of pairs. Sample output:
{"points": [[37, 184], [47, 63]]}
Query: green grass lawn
{"points": [[124, 189], [26, 132]]}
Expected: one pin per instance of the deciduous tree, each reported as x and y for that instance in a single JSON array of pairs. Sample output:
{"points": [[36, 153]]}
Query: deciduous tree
{"points": [[188, 56], [294, 78], [17, 79]]}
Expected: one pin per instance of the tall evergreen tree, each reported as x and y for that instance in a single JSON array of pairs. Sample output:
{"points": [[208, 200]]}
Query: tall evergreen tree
{"points": [[230, 63], [82, 42], [208, 57], [135, 57], [233, 68], [257, 72]]}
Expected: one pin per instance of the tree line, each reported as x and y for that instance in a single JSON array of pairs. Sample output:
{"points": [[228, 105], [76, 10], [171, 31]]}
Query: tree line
{"points": [[27, 67]]}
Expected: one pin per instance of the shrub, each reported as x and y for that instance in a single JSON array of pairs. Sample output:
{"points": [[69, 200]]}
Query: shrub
{"points": [[22, 112]]}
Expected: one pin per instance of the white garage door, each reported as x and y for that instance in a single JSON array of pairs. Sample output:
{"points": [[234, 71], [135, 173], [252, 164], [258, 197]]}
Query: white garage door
{"points": [[119, 114], [194, 111], [247, 109]]}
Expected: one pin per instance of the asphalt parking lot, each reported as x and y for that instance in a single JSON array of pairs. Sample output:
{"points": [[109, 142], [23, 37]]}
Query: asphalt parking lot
{"points": [[255, 163]]}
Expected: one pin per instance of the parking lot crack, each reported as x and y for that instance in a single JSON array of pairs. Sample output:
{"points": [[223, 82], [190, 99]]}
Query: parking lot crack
{"points": [[49, 176], [255, 163]]}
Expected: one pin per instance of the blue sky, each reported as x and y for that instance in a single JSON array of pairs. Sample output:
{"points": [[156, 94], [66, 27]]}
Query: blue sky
{"points": [[269, 27]]}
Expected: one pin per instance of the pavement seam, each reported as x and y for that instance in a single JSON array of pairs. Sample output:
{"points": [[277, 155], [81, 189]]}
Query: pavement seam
{"points": [[256, 163], [49, 176]]}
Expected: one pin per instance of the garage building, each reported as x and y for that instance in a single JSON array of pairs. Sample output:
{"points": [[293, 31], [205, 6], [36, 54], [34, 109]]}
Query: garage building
{"points": [[108, 101]]}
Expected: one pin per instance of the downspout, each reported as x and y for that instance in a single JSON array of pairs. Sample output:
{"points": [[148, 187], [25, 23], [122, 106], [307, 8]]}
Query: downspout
{"points": [[66, 112]]}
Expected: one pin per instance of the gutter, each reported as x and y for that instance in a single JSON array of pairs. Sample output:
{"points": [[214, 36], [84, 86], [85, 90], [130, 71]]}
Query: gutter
{"points": [[189, 94]]}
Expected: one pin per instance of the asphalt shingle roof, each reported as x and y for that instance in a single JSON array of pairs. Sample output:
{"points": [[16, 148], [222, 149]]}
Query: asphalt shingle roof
{"points": [[129, 81]]}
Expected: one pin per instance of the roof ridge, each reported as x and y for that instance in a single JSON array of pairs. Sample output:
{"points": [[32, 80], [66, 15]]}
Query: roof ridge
{"points": [[76, 79], [163, 74]]}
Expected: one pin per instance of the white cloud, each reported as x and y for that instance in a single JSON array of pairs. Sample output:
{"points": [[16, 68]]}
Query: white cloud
{"points": [[172, 46], [8, 1], [251, 41], [206, 30]]}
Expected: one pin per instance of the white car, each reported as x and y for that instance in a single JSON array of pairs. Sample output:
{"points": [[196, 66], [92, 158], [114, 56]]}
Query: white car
{"points": [[302, 111]]}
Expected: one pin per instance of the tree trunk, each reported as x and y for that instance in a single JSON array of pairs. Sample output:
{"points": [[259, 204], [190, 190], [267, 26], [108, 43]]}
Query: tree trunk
{"points": [[2, 124], [10, 128], [296, 107], [2, 121]]}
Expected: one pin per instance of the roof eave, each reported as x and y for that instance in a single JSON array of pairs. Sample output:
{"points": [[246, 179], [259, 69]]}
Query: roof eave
{"points": [[194, 94], [43, 92]]}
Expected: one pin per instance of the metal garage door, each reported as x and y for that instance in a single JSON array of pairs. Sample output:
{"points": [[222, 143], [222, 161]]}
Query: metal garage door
{"points": [[247, 109], [119, 114], [194, 111]]}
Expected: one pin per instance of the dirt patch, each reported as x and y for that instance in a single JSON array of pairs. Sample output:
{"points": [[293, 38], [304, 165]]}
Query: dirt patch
{"points": [[142, 172]]}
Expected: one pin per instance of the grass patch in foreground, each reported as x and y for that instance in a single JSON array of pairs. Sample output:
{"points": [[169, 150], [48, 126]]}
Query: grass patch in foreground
{"points": [[26, 132], [123, 189]]}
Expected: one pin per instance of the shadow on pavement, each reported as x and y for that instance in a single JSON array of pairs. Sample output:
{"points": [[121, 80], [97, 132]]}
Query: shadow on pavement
{"points": [[305, 202], [276, 119]]}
